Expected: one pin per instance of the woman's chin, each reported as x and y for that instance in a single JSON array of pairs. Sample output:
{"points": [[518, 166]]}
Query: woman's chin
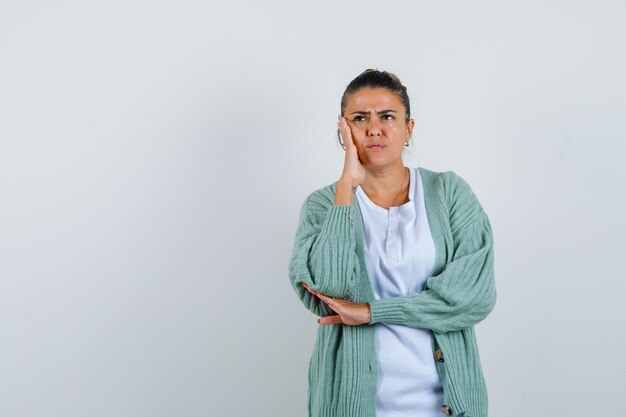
{"points": [[379, 163]]}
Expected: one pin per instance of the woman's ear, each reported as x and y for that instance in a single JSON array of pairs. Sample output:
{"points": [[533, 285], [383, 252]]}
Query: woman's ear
{"points": [[409, 128]]}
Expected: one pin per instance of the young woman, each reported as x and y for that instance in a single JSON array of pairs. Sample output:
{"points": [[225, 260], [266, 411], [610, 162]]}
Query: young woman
{"points": [[398, 262]]}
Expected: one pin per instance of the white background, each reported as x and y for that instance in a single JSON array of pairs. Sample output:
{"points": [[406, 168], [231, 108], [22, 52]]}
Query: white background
{"points": [[154, 157]]}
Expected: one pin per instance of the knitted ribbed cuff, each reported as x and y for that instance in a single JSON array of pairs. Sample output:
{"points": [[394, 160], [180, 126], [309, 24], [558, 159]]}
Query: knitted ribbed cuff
{"points": [[384, 310], [337, 211]]}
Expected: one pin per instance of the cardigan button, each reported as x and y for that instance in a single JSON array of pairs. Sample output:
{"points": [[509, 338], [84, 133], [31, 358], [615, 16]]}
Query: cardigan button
{"points": [[446, 410], [439, 355]]}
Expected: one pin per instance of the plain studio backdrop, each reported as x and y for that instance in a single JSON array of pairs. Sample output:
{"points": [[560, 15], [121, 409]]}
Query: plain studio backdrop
{"points": [[154, 156]]}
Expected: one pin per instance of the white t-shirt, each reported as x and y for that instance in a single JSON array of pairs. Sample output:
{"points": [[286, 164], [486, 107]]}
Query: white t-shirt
{"points": [[400, 255]]}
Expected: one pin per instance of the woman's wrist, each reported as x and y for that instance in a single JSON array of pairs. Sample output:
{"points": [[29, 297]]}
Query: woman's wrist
{"points": [[344, 194]]}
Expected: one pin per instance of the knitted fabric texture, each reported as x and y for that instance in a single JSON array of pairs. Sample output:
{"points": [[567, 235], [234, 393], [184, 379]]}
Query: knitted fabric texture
{"points": [[328, 255]]}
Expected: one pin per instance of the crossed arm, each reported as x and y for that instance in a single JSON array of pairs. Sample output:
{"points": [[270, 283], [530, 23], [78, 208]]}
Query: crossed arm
{"points": [[324, 258]]}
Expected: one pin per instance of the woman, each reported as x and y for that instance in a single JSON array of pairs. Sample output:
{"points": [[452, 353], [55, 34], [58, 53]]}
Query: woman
{"points": [[398, 262]]}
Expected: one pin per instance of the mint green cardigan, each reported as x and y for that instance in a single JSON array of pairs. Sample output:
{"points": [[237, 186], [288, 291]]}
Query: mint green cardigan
{"points": [[328, 255]]}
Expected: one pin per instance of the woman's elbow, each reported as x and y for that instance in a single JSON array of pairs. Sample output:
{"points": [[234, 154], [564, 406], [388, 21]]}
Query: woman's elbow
{"points": [[487, 304]]}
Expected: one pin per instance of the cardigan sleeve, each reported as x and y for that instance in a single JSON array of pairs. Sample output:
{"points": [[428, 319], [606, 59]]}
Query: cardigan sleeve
{"points": [[463, 293], [323, 255]]}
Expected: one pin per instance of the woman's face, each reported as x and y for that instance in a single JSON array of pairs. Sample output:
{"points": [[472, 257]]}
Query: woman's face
{"points": [[378, 124]]}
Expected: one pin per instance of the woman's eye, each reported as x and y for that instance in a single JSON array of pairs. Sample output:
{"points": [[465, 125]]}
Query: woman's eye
{"points": [[390, 117], [358, 119]]}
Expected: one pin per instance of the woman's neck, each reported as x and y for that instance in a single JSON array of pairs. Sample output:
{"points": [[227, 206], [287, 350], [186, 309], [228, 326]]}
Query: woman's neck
{"points": [[386, 183]]}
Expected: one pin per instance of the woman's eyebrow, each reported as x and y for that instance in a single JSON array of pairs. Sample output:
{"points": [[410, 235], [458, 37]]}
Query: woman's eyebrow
{"points": [[378, 112]]}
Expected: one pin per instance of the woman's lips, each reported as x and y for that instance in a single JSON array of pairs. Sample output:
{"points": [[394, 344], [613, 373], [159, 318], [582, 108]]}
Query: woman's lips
{"points": [[375, 147]]}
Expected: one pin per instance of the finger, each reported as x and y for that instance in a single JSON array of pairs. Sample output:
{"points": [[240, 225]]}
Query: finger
{"points": [[330, 320], [309, 289], [344, 130], [333, 307], [326, 298], [332, 303]]}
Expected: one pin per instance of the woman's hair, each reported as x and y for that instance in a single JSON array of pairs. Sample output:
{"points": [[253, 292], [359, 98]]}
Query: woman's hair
{"points": [[372, 78]]}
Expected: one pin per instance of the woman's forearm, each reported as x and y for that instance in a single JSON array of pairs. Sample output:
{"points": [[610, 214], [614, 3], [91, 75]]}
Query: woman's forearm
{"points": [[324, 255], [344, 194]]}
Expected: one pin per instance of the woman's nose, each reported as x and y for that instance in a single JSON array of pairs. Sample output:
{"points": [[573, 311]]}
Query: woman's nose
{"points": [[373, 128]]}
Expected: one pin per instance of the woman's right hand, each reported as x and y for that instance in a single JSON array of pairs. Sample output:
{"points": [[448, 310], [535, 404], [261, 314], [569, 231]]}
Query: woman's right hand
{"points": [[353, 171]]}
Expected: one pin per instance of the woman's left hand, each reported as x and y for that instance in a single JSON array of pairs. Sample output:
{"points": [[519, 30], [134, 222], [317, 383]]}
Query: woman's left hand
{"points": [[348, 312]]}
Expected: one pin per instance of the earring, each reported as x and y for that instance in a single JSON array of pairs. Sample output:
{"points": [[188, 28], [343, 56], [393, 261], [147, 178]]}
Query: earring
{"points": [[406, 143]]}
